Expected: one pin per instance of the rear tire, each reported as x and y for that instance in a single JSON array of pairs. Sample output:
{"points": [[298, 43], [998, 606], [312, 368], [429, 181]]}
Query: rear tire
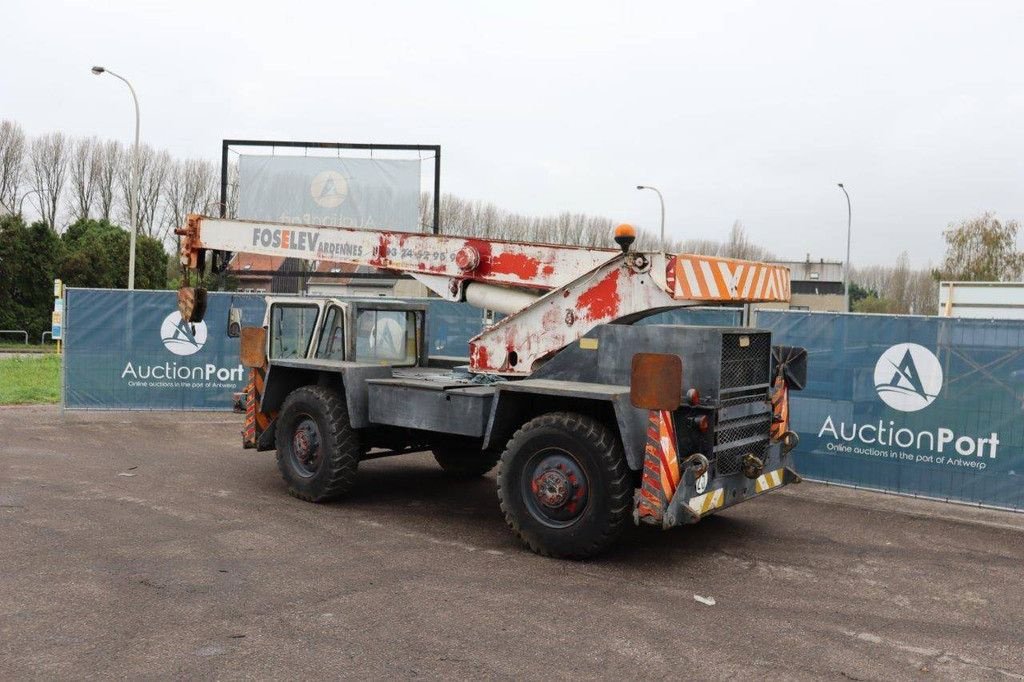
{"points": [[317, 449], [464, 460], [564, 486]]}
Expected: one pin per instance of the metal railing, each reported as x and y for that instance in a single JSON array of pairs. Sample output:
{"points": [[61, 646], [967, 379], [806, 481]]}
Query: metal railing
{"points": [[16, 331], [42, 337]]}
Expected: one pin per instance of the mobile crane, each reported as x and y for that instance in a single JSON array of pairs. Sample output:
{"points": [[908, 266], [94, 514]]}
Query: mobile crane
{"points": [[595, 420]]}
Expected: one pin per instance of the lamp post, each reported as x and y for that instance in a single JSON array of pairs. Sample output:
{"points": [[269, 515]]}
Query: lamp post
{"points": [[133, 179], [662, 201], [846, 268]]}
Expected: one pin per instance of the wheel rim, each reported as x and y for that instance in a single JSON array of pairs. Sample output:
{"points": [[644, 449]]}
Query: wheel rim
{"points": [[307, 447], [555, 487]]}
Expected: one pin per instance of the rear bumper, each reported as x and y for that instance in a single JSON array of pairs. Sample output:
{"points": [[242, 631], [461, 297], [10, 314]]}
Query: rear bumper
{"points": [[690, 506]]}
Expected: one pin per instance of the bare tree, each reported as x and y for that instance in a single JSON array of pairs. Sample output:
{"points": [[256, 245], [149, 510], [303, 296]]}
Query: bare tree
{"points": [[85, 168], [231, 210], [426, 210], [738, 245], [152, 167], [923, 293], [108, 158], [899, 284], [191, 187], [479, 219], [12, 156], [49, 161], [152, 181], [897, 289]]}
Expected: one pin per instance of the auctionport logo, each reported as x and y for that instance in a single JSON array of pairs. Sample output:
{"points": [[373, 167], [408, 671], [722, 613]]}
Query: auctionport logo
{"points": [[181, 337], [329, 189], [908, 377]]}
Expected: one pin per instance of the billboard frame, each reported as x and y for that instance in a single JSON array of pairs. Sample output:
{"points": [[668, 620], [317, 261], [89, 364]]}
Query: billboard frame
{"points": [[436, 148]]}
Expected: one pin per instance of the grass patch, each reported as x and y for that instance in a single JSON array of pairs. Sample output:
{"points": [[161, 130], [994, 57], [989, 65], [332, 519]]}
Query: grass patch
{"points": [[7, 344], [26, 381]]}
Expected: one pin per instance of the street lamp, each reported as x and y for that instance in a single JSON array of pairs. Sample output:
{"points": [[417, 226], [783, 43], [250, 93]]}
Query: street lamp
{"points": [[846, 268], [133, 179], [662, 200], [21, 204]]}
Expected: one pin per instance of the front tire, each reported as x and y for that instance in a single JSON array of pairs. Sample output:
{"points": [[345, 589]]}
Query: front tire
{"points": [[564, 486], [317, 449]]}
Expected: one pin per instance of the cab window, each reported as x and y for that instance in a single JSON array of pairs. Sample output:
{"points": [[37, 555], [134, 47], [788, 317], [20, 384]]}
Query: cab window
{"points": [[332, 340], [386, 337], [291, 329]]}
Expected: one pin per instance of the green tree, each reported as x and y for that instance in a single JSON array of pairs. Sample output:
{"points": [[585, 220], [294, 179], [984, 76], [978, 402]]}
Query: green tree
{"points": [[859, 293], [96, 255], [28, 261], [982, 249], [873, 304]]}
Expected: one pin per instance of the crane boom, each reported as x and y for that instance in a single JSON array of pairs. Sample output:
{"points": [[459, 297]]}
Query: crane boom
{"points": [[554, 294], [534, 266]]}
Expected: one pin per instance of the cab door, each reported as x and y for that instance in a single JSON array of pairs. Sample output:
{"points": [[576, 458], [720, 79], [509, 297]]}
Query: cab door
{"points": [[333, 338], [292, 326]]}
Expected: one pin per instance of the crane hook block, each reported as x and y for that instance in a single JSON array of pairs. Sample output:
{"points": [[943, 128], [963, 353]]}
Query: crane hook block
{"points": [[192, 304]]}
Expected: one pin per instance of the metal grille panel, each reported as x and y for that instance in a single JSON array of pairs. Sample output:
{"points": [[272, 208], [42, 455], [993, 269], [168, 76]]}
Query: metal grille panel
{"points": [[745, 365], [749, 434]]}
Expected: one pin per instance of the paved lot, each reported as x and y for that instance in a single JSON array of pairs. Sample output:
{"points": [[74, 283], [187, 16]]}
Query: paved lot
{"points": [[146, 545]]}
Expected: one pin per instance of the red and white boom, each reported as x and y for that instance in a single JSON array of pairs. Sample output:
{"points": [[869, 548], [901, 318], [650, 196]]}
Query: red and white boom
{"points": [[553, 294]]}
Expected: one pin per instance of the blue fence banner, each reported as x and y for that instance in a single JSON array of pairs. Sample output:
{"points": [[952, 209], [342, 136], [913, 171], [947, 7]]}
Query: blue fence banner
{"points": [[130, 350], [924, 406], [451, 325], [704, 317]]}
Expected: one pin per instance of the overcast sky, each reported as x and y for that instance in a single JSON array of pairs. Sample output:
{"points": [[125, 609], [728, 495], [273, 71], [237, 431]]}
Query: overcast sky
{"points": [[735, 110]]}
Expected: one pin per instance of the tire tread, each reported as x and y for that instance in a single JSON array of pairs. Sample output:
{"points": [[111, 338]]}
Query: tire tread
{"points": [[620, 492], [342, 461]]}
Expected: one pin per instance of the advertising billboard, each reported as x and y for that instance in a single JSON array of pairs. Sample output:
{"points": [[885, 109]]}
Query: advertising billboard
{"points": [[340, 192]]}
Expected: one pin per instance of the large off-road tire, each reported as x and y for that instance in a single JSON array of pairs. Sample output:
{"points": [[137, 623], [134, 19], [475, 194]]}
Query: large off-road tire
{"points": [[465, 461], [564, 486], [317, 449]]}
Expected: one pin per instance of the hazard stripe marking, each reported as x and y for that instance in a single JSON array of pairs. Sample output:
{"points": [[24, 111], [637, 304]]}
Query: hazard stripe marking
{"points": [[767, 481], [702, 504], [708, 278]]}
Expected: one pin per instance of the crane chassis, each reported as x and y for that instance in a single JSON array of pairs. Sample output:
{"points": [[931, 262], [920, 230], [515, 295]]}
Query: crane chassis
{"points": [[596, 420]]}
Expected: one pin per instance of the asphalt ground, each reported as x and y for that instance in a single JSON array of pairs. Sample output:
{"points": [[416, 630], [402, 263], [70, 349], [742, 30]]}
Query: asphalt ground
{"points": [[143, 545]]}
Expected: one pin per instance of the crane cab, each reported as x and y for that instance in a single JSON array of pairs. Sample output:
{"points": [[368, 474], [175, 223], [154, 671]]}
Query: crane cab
{"points": [[374, 331]]}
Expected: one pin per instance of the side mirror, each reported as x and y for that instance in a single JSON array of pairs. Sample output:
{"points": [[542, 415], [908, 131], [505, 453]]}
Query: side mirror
{"points": [[235, 322]]}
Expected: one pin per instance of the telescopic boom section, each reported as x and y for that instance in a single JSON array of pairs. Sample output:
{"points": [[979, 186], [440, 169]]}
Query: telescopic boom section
{"points": [[511, 264], [554, 294]]}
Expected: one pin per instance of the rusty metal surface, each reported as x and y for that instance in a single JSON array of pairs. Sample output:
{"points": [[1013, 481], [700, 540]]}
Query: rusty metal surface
{"points": [[253, 346], [537, 265], [560, 318], [192, 303], [657, 381]]}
